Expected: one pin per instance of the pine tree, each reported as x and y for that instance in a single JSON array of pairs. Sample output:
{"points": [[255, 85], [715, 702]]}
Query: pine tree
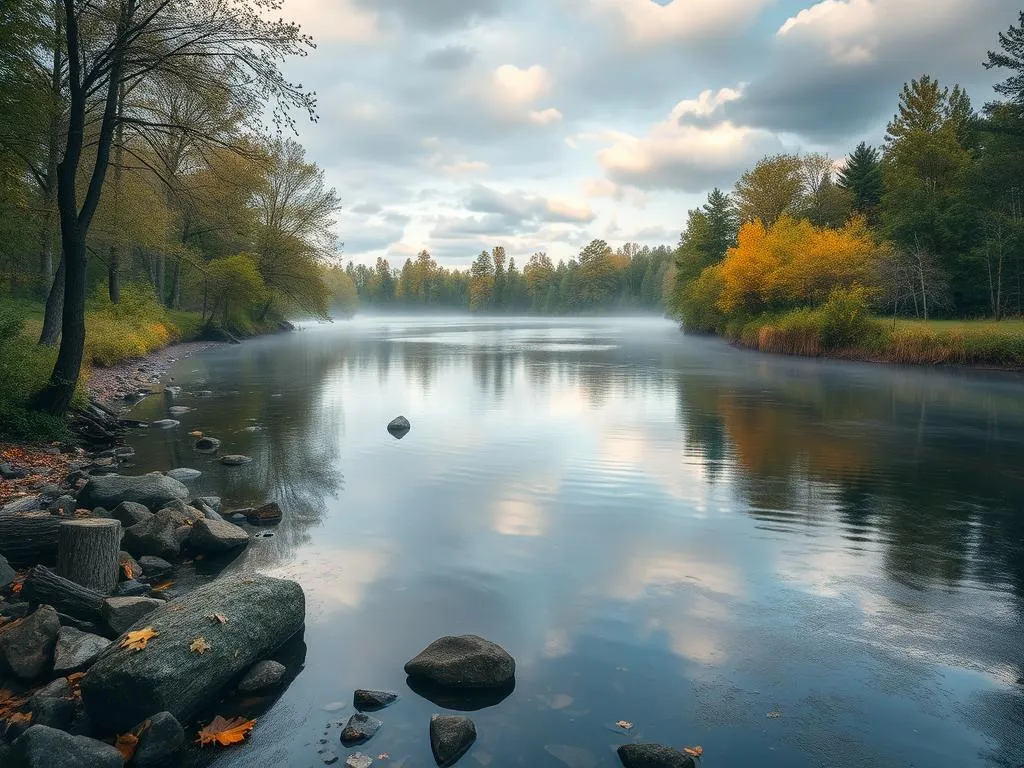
{"points": [[923, 108], [862, 178], [1010, 57], [723, 224]]}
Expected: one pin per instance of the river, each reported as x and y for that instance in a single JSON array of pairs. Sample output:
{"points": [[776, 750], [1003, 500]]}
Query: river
{"points": [[788, 562]]}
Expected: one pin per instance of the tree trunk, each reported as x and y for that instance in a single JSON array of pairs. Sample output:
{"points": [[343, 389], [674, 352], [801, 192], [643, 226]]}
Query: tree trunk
{"points": [[161, 278], [176, 285], [48, 236], [54, 313], [87, 552], [43, 586], [114, 267], [29, 538]]}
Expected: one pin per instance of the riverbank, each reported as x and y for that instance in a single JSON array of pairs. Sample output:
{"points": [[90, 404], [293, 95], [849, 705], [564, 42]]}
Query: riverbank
{"points": [[812, 333]]}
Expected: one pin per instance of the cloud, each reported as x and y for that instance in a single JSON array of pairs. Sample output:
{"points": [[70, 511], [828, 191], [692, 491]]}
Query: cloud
{"points": [[524, 207], [334, 20], [545, 116], [520, 86], [449, 58], [435, 15], [644, 22]]}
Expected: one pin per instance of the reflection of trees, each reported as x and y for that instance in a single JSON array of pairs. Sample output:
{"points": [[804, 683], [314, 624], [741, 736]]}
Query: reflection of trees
{"points": [[924, 463]]}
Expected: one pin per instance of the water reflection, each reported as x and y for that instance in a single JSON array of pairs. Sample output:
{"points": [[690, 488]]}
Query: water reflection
{"points": [[659, 528]]}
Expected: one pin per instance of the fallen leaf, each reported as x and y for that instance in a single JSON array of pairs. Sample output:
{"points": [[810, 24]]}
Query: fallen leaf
{"points": [[137, 640], [196, 433], [383, 756], [225, 732], [163, 586], [126, 744], [220, 618], [129, 572], [694, 751], [200, 646], [75, 681], [19, 718], [624, 724]]}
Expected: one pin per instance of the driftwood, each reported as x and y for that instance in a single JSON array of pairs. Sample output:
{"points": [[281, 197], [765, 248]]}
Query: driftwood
{"points": [[43, 586], [29, 538], [87, 552]]}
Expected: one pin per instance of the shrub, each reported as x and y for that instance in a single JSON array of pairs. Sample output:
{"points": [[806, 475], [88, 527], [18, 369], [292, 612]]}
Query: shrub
{"points": [[845, 319], [24, 370], [134, 327]]}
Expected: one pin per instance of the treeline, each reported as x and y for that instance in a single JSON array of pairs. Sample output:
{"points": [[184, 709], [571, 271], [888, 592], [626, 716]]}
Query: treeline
{"points": [[929, 225], [600, 279], [145, 169]]}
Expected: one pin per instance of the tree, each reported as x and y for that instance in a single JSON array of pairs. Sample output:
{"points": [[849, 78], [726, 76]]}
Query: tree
{"points": [[110, 50], [771, 188], [861, 176], [234, 286], [825, 204], [1011, 57], [481, 283]]}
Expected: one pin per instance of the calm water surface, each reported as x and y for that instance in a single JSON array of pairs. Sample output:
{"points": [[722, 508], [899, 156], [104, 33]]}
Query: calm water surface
{"points": [[788, 562]]}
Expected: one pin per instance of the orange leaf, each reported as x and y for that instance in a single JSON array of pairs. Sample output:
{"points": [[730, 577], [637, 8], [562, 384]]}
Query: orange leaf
{"points": [[126, 744], [200, 646], [162, 586], [225, 732], [694, 751], [137, 640], [220, 618], [129, 572]]}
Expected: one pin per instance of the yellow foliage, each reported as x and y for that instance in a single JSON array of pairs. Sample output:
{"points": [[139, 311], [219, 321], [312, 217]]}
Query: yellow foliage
{"points": [[794, 263]]}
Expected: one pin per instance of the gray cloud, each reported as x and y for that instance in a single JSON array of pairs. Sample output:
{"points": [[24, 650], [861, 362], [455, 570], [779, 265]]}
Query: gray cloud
{"points": [[369, 208], [449, 58], [434, 15], [520, 207]]}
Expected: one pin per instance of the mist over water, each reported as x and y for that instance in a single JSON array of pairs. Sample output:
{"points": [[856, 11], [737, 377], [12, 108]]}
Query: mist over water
{"points": [[660, 528]]}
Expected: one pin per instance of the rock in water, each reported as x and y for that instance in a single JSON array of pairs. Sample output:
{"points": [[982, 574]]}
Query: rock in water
{"points": [[76, 650], [163, 738], [206, 445], [263, 675], [152, 491], [181, 474], [154, 566], [369, 701], [209, 536], [399, 427], [359, 728], [154, 536], [44, 747], [268, 514], [28, 647], [165, 423], [358, 760], [464, 661], [451, 736], [653, 756], [120, 613], [234, 460], [124, 688]]}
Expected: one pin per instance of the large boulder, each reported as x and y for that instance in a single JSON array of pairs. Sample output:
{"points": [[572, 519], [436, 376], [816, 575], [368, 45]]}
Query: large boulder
{"points": [[124, 687], [27, 647], [7, 574], [152, 491], [44, 747], [154, 536], [451, 736], [120, 613], [130, 513], [653, 756], [212, 536], [463, 661], [76, 650], [159, 741]]}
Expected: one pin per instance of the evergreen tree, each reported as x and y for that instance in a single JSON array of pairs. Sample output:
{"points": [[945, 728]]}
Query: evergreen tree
{"points": [[1011, 57], [862, 178]]}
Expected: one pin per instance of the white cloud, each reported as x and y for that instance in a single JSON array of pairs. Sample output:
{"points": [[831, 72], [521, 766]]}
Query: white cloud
{"points": [[646, 22], [546, 116], [517, 86], [332, 21]]}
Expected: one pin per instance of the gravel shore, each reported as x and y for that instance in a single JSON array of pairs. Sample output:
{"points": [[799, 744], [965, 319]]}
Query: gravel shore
{"points": [[111, 385]]}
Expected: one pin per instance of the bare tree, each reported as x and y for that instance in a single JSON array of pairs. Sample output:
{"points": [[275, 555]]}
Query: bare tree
{"points": [[112, 46], [913, 280]]}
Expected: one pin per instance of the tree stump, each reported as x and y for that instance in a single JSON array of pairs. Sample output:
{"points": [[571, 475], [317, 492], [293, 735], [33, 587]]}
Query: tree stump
{"points": [[87, 552]]}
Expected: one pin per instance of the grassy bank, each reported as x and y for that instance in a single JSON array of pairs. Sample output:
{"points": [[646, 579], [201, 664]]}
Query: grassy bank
{"points": [[821, 332]]}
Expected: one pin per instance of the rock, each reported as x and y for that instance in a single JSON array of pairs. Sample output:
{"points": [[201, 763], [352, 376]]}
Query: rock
{"points": [[120, 613], [122, 689], [159, 742], [28, 647], [208, 536], [653, 756], [399, 427], [183, 474], [268, 514], [213, 502], [206, 445], [131, 588], [370, 701], [234, 460], [76, 650], [154, 536], [262, 675], [165, 423], [52, 711], [178, 410], [14, 610], [130, 513], [63, 506], [152, 491], [9, 472], [358, 760], [44, 747], [51, 491], [55, 689], [24, 504], [154, 566], [464, 661], [451, 736], [7, 574], [82, 625], [181, 513], [359, 728]]}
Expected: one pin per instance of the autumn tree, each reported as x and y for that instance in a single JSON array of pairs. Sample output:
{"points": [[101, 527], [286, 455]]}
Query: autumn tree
{"points": [[768, 190], [481, 283]]}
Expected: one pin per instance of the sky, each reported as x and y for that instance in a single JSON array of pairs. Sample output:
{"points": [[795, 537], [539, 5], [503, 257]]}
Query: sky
{"points": [[539, 125]]}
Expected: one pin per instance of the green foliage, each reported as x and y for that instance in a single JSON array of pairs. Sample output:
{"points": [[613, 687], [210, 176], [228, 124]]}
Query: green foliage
{"points": [[234, 287], [132, 328], [845, 319], [1011, 57], [768, 190], [24, 370], [861, 176]]}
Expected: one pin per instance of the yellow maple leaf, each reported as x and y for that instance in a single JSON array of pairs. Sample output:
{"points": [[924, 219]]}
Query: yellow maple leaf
{"points": [[137, 640], [225, 732], [200, 646], [694, 751]]}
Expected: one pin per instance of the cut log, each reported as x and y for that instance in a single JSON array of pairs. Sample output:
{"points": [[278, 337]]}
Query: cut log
{"points": [[87, 552], [29, 538], [43, 586], [242, 620]]}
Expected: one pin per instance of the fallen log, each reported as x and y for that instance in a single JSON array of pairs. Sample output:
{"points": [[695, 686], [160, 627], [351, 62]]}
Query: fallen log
{"points": [[241, 619], [45, 587], [87, 552], [29, 538]]}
